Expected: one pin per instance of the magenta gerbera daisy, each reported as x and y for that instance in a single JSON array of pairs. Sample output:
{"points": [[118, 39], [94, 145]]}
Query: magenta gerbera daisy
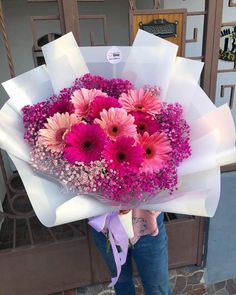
{"points": [[145, 123], [102, 103], [84, 143], [141, 100], [117, 122], [123, 155], [82, 98], [157, 148]]}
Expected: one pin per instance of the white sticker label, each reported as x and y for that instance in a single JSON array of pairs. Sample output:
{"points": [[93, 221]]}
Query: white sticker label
{"points": [[114, 55]]}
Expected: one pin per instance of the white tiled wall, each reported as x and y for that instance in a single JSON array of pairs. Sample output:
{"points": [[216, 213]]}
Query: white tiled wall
{"points": [[194, 49], [229, 15]]}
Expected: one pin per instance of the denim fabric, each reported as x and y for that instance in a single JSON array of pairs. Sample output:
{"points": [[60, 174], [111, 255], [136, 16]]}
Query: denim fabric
{"points": [[151, 257]]}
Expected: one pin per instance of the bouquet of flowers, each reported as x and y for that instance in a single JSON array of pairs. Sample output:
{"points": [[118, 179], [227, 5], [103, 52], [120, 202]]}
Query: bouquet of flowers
{"points": [[104, 138], [116, 128]]}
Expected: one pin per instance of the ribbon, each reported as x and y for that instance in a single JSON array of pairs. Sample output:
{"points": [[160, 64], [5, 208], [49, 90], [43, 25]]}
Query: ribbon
{"points": [[117, 237]]}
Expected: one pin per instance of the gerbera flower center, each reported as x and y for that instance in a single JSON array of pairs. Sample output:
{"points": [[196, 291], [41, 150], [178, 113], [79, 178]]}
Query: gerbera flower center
{"points": [[121, 156], [142, 127], [149, 152], [60, 134], [87, 145], [138, 106], [85, 107], [115, 129]]}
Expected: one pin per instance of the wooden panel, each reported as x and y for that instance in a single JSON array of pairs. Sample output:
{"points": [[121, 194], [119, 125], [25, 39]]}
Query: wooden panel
{"points": [[45, 269], [100, 273], [229, 168], [70, 292], [183, 236], [178, 16]]}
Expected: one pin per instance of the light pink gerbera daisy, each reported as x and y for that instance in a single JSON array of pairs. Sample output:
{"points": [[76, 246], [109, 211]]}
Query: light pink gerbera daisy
{"points": [[102, 103], [82, 98], [84, 143], [117, 122], [123, 156], [53, 136], [145, 123], [156, 147], [141, 100]]}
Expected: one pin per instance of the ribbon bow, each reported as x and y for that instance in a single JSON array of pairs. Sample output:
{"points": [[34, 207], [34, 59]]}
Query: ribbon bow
{"points": [[117, 237]]}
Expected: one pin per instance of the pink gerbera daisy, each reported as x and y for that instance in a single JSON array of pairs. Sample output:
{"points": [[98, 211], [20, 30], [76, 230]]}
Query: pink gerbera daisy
{"points": [[157, 148], [123, 156], [145, 123], [53, 136], [140, 100], [82, 98], [117, 122], [84, 143], [102, 103]]}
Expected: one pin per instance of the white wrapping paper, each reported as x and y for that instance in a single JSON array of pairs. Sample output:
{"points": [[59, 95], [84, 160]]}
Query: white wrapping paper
{"points": [[126, 221], [151, 60]]}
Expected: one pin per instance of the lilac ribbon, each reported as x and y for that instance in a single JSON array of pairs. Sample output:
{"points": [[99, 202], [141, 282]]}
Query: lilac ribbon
{"points": [[117, 236]]}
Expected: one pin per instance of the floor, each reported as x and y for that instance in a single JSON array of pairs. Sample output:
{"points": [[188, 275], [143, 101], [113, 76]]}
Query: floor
{"points": [[183, 281]]}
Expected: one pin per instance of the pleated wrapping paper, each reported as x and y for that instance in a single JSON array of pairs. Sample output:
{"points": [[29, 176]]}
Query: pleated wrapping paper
{"points": [[151, 60]]}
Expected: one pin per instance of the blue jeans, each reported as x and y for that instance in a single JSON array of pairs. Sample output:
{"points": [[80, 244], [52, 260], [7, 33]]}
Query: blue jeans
{"points": [[151, 258]]}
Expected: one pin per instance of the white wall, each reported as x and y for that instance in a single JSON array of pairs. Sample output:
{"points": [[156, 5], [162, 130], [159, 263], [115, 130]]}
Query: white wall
{"points": [[195, 49], [117, 21]]}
